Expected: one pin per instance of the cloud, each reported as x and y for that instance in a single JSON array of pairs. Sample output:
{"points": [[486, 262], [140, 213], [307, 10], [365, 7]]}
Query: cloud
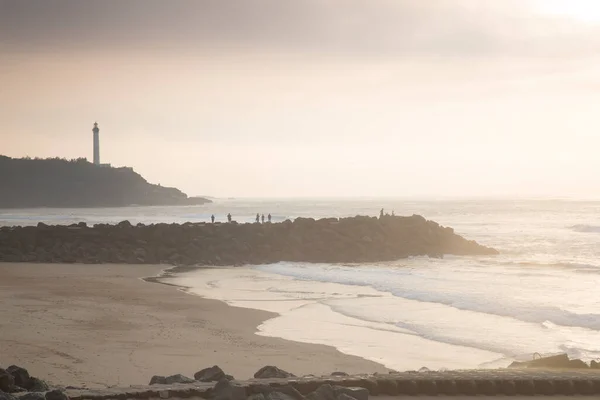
{"points": [[364, 28]]}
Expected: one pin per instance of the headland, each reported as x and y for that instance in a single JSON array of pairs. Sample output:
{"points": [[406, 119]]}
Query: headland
{"points": [[60, 183]]}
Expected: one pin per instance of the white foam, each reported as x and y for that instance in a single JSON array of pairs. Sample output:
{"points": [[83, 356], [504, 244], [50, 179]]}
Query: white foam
{"points": [[481, 321]]}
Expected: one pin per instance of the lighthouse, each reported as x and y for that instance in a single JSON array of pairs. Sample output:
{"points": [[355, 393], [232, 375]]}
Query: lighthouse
{"points": [[96, 131]]}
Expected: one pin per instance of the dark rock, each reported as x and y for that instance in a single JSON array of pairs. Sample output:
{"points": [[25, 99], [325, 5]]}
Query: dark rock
{"points": [[20, 374], [371, 385], [560, 361], [357, 393], [324, 392], [466, 386], [279, 396], [525, 387], [427, 387], [344, 396], [304, 240], [6, 396], [595, 364], [56, 395], [7, 381], [584, 387], [387, 386], [212, 374], [447, 387], [289, 391], [306, 386], [158, 380], [256, 396], [507, 387], [178, 378], [270, 371], [37, 385], [544, 387], [339, 373], [487, 387], [407, 387], [226, 390], [578, 364], [33, 396]]}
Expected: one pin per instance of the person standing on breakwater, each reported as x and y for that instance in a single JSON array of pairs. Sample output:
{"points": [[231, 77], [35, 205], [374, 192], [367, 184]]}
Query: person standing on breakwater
{"points": [[262, 218], [269, 218], [381, 213], [257, 219], [229, 217], [212, 218]]}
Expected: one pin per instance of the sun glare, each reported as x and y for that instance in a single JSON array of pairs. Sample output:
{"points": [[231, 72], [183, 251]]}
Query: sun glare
{"points": [[583, 10]]}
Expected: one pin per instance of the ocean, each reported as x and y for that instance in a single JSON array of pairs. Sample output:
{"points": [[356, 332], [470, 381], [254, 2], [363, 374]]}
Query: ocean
{"points": [[541, 294]]}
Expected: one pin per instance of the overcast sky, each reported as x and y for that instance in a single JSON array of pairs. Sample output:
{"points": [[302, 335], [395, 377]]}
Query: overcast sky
{"points": [[261, 98]]}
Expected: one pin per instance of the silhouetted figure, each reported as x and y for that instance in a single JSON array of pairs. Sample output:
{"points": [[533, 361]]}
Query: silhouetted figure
{"points": [[212, 218], [269, 218], [393, 213], [381, 213], [229, 217], [262, 218], [257, 218]]}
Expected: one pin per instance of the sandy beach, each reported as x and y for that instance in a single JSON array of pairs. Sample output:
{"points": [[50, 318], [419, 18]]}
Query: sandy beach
{"points": [[101, 325]]}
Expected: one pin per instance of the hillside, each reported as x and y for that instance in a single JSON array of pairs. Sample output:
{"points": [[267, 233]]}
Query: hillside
{"points": [[28, 183]]}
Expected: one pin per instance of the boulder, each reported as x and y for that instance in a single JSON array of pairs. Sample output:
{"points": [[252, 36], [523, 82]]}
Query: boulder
{"points": [[33, 396], [324, 392], [169, 380], [37, 385], [212, 374], [279, 396], [158, 380], [56, 395], [20, 375], [227, 390], [270, 371], [7, 381], [344, 396], [357, 393], [256, 396], [595, 364], [560, 361], [6, 396], [178, 378]]}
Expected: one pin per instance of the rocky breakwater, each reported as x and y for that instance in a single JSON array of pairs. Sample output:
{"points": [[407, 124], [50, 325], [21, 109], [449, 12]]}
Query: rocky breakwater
{"points": [[330, 240]]}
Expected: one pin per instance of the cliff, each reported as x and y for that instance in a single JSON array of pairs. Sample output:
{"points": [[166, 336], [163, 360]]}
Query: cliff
{"points": [[28, 183], [331, 240]]}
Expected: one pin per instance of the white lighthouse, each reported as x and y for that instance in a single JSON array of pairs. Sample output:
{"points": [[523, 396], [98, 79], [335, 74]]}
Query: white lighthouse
{"points": [[96, 131]]}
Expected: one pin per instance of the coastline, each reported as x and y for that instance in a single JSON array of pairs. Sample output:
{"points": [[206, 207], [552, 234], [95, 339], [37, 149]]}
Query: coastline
{"points": [[103, 325]]}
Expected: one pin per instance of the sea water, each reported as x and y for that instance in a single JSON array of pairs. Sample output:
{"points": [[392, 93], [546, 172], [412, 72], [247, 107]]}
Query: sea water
{"points": [[541, 294]]}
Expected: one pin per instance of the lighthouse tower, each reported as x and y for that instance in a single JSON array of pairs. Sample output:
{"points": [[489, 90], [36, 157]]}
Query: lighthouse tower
{"points": [[96, 131]]}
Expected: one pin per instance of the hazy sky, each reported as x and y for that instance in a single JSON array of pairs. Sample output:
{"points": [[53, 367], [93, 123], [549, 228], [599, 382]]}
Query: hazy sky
{"points": [[283, 98]]}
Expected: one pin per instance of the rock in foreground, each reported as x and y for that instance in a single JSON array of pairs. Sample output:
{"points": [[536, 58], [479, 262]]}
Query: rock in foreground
{"points": [[330, 240], [560, 361]]}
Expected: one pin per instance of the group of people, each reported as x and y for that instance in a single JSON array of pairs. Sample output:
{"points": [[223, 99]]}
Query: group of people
{"points": [[381, 214], [259, 218]]}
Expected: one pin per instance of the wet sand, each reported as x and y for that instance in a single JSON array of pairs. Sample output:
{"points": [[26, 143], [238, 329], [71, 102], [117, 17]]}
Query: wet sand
{"points": [[101, 325]]}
